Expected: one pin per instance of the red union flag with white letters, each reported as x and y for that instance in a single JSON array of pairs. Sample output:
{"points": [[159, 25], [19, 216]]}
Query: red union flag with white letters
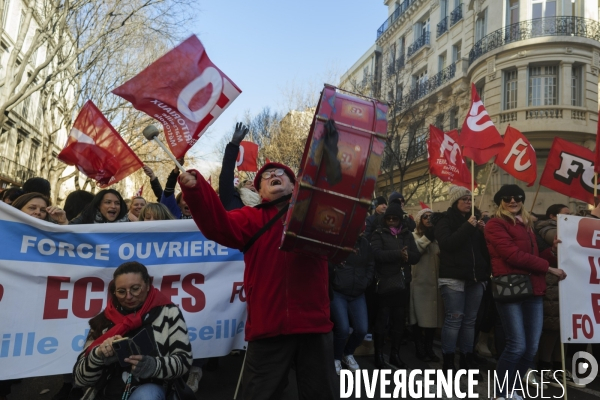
{"points": [[479, 137], [570, 170], [518, 157], [247, 157], [445, 158], [183, 90]]}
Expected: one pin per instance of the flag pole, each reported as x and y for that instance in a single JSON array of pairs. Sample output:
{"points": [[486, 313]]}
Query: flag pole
{"points": [[430, 192], [486, 184], [472, 188], [535, 198]]}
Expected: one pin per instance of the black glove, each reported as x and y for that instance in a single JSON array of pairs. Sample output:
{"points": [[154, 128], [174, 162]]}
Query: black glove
{"points": [[429, 233], [240, 133]]}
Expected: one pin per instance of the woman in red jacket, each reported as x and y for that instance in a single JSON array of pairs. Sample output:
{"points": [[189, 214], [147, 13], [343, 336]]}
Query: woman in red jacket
{"points": [[513, 250]]}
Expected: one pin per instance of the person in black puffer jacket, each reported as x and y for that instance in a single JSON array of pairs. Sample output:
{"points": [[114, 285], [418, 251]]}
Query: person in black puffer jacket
{"points": [[348, 282], [464, 269], [395, 251]]}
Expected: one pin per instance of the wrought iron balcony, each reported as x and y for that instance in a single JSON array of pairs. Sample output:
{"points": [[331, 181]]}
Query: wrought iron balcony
{"points": [[442, 27], [14, 172], [539, 27], [419, 43], [401, 9], [442, 77], [456, 15]]}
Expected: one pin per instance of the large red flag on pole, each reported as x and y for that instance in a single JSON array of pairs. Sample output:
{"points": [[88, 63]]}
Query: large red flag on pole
{"points": [[518, 157], [97, 149], [184, 90], [570, 170], [445, 158], [479, 137], [597, 150], [247, 157]]}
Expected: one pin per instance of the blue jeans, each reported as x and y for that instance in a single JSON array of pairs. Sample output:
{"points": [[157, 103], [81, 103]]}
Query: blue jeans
{"points": [[522, 322], [460, 315], [149, 391], [346, 309]]}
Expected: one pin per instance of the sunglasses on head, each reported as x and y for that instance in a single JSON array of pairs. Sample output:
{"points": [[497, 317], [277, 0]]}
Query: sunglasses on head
{"points": [[276, 172], [508, 199]]}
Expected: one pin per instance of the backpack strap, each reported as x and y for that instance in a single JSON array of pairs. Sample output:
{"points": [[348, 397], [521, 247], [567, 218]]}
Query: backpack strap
{"points": [[268, 224]]}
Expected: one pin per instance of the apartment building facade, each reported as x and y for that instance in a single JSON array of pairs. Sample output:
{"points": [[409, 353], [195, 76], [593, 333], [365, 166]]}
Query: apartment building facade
{"points": [[535, 64]]}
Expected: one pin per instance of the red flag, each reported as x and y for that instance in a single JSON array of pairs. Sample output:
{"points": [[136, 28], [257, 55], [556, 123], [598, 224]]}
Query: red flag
{"points": [[445, 158], [267, 161], [184, 90], [479, 137], [518, 157], [597, 150], [247, 157], [139, 192], [570, 170], [97, 149], [423, 205]]}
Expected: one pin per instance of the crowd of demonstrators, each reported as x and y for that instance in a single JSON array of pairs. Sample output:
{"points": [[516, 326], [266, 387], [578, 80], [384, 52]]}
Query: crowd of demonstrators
{"points": [[134, 306], [155, 212], [107, 206], [137, 203]]}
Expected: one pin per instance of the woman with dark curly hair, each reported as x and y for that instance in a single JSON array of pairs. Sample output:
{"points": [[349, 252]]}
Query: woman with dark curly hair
{"points": [[106, 206]]}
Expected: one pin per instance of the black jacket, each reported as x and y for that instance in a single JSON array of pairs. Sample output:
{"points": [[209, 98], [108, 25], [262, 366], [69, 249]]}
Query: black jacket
{"points": [[354, 275], [387, 249], [230, 198], [463, 251]]}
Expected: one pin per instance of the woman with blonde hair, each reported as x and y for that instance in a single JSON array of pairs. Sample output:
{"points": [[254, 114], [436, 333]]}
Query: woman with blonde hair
{"points": [[513, 251], [155, 212]]}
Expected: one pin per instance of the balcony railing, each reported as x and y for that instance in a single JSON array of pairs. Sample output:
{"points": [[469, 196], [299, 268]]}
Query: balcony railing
{"points": [[456, 15], [400, 10], [419, 43], [442, 27], [551, 26], [12, 171], [442, 77], [424, 88]]}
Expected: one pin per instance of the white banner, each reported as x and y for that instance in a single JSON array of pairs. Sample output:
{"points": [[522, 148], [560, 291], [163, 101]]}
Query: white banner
{"points": [[579, 256], [54, 278]]}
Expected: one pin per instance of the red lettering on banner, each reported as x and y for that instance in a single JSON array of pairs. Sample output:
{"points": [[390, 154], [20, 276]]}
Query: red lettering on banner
{"points": [[596, 306], [166, 286], [53, 295], [588, 233], [238, 289], [594, 268], [80, 297], [583, 322], [197, 295]]}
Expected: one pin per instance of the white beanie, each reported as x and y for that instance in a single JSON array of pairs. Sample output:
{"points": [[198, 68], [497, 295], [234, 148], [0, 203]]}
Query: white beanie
{"points": [[456, 192], [420, 214]]}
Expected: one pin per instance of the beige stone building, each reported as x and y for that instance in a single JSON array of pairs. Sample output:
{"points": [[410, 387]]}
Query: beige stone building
{"points": [[535, 64]]}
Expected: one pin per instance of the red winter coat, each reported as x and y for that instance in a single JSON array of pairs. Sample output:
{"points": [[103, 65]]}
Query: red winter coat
{"points": [[286, 292], [513, 250]]}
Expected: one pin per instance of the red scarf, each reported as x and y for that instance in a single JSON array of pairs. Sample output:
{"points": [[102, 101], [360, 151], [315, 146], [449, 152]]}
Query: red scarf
{"points": [[126, 323]]}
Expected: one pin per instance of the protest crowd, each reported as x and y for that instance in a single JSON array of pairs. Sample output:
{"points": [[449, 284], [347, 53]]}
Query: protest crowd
{"points": [[410, 278]]}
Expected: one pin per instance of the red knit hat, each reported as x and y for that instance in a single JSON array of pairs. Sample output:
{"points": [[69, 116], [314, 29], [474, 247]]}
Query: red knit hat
{"points": [[268, 165]]}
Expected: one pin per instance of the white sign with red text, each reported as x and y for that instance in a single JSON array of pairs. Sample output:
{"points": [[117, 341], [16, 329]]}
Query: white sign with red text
{"points": [[579, 256], [54, 278]]}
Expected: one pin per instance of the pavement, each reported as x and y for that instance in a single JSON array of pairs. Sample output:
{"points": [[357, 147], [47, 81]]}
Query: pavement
{"points": [[221, 383]]}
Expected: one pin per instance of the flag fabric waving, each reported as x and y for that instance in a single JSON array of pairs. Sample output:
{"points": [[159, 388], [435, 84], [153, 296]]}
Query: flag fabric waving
{"points": [[183, 90], [247, 157], [597, 150], [445, 158], [518, 156], [97, 149], [570, 170], [479, 137], [140, 192], [423, 205]]}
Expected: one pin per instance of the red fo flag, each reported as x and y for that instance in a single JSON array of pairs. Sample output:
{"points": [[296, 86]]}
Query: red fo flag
{"points": [[518, 157], [445, 158], [247, 157], [97, 150], [423, 205], [597, 150], [479, 137], [570, 170], [184, 90], [139, 192]]}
